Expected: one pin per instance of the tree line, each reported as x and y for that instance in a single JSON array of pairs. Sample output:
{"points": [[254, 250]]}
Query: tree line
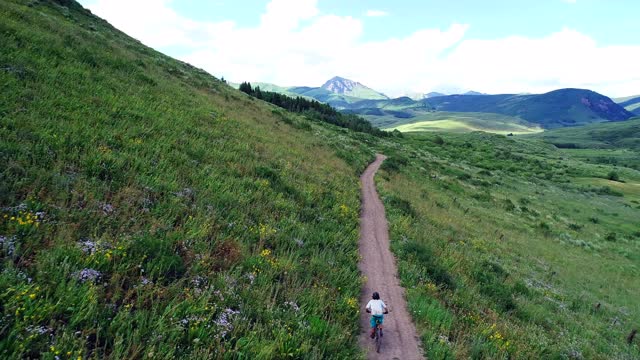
{"points": [[314, 110]]}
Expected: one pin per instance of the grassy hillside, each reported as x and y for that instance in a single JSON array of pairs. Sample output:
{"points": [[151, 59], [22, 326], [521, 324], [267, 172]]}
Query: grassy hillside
{"points": [[149, 210], [616, 143], [513, 249], [606, 136], [464, 122]]}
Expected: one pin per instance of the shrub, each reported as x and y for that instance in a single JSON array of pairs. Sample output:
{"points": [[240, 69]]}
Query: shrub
{"points": [[613, 176], [401, 204], [612, 236], [605, 190], [509, 205], [394, 163], [575, 227], [491, 277], [424, 256]]}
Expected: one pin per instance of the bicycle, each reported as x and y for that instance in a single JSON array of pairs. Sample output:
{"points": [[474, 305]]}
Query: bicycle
{"points": [[378, 334]]}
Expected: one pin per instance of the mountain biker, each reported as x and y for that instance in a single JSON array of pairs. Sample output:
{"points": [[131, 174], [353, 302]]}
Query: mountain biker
{"points": [[377, 308]]}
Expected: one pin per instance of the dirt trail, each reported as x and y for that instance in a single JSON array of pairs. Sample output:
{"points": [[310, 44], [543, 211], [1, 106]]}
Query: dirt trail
{"points": [[400, 339]]}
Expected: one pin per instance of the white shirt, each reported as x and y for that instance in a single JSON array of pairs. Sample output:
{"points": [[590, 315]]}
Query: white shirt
{"points": [[376, 307]]}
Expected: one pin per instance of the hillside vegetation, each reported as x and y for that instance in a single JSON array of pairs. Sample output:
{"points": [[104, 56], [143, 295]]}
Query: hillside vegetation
{"points": [[511, 248], [616, 143], [149, 210]]}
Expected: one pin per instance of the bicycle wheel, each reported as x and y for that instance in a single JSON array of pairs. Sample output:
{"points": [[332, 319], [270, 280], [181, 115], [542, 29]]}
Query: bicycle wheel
{"points": [[378, 339]]}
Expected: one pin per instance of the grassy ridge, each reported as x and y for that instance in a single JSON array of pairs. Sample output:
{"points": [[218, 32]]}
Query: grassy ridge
{"points": [[465, 122], [149, 210], [511, 248]]}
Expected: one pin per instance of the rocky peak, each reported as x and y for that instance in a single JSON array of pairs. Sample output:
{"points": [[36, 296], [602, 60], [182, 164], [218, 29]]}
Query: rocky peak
{"points": [[340, 85]]}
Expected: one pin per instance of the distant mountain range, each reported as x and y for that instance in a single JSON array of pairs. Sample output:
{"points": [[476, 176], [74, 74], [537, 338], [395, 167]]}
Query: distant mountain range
{"points": [[555, 109]]}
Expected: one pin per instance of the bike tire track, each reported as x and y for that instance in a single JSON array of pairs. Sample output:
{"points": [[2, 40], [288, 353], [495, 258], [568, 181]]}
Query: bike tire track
{"points": [[377, 264]]}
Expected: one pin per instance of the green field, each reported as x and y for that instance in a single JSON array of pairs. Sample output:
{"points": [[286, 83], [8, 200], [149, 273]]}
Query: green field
{"points": [[463, 122], [510, 248]]}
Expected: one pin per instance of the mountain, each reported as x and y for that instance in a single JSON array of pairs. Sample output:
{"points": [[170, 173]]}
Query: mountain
{"points": [[559, 108], [342, 86], [631, 103], [564, 107]]}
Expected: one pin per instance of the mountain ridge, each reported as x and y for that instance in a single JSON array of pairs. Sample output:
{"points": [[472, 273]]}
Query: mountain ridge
{"points": [[558, 108]]}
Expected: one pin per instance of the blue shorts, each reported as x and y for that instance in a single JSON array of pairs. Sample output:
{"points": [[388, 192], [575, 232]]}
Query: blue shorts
{"points": [[380, 319]]}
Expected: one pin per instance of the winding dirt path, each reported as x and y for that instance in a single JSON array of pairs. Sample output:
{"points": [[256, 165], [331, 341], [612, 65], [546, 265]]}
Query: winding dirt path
{"points": [[400, 339]]}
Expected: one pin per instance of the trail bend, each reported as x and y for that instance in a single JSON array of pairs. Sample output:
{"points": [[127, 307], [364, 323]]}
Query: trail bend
{"points": [[377, 264]]}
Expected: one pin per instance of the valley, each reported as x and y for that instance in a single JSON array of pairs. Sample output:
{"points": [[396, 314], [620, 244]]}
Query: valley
{"points": [[151, 210]]}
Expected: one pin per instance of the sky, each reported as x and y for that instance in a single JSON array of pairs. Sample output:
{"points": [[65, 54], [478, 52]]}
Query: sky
{"points": [[400, 47]]}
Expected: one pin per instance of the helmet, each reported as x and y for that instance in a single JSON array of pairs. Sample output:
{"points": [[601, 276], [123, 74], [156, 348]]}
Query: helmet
{"points": [[376, 296]]}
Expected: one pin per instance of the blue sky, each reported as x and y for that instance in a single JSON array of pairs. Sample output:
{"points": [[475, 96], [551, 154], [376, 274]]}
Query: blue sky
{"points": [[398, 47], [608, 22]]}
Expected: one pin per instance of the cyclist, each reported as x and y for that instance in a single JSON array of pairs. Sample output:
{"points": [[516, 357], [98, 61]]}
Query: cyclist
{"points": [[377, 308]]}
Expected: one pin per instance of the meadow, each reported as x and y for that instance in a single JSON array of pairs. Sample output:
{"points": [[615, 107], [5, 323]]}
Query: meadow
{"points": [[511, 248], [443, 121]]}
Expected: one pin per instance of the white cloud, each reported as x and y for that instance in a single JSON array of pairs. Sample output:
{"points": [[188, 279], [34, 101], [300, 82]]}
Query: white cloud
{"points": [[376, 13], [295, 44]]}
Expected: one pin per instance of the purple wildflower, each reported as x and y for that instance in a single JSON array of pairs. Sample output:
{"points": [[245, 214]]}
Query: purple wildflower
{"points": [[88, 246], [198, 281], [8, 244], [107, 209], [86, 274], [293, 305], [225, 321], [40, 330]]}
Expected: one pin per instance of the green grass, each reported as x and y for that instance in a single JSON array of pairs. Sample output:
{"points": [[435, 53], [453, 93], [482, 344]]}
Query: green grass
{"points": [[149, 210], [613, 143], [510, 244], [465, 122]]}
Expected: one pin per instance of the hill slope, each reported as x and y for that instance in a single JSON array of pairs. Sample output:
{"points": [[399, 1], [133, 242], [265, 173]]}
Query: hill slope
{"points": [[148, 209]]}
